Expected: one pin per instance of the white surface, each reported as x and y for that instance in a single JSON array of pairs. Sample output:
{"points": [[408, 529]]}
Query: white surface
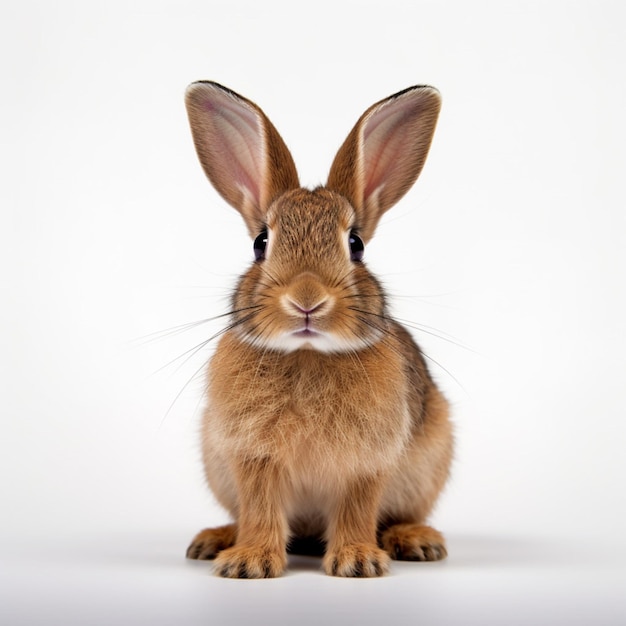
{"points": [[497, 580], [513, 241]]}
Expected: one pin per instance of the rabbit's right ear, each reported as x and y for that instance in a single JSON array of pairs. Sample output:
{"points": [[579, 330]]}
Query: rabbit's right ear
{"points": [[241, 152]]}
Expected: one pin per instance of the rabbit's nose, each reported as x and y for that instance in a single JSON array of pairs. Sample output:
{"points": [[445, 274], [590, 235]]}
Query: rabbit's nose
{"points": [[306, 309], [306, 296]]}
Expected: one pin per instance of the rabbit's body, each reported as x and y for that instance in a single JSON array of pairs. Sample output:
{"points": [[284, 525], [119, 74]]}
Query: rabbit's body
{"points": [[322, 419], [324, 433]]}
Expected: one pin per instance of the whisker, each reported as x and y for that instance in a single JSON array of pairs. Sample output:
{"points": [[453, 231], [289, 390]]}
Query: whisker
{"points": [[258, 329], [261, 283], [429, 330], [447, 371], [388, 344], [360, 295], [357, 282], [340, 280], [275, 282], [176, 330], [192, 351], [435, 332], [180, 393]]}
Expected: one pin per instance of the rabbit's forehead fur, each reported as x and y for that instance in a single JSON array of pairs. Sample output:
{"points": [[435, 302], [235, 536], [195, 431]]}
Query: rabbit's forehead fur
{"points": [[308, 228]]}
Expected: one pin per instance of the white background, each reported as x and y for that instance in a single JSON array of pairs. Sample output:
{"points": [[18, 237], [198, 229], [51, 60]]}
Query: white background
{"points": [[512, 242]]}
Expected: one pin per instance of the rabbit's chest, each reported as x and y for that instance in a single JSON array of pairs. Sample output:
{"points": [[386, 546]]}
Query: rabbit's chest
{"points": [[309, 411]]}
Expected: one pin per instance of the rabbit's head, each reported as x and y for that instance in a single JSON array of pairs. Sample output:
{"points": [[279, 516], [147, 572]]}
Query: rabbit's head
{"points": [[308, 287]]}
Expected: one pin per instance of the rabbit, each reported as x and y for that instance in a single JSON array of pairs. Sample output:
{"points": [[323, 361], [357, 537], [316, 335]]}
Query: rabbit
{"points": [[323, 427]]}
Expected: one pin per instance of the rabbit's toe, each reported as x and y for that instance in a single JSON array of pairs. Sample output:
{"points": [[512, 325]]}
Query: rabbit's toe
{"points": [[209, 542], [357, 560], [413, 542], [250, 562]]}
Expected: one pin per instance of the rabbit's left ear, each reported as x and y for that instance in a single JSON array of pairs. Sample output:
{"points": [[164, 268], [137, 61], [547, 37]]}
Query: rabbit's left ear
{"points": [[240, 151], [384, 154]]}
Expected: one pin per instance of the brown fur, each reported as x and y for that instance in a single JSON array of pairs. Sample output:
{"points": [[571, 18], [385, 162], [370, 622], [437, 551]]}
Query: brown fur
{"points": [[343, 438]]}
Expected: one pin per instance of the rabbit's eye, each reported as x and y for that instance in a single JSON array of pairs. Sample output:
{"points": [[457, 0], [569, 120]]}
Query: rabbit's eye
{"points": [[356, 247], [260, 243]]}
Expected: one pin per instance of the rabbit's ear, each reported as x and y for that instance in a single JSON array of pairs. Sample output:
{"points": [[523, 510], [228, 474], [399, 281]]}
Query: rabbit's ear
{"points": [[384, 153], [241, 152]]}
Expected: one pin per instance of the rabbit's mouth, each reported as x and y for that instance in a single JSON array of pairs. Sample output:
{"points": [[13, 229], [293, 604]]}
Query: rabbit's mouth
{"points": [[308, 338], [306, 333]]}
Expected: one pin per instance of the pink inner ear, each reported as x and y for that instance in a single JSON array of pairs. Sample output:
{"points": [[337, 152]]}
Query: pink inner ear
{"points": [[387, 139], [237, 137]]}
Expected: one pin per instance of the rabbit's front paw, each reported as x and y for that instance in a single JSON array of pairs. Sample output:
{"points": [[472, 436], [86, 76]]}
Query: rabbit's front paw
{"points": [[356, 560], [250, 562]]}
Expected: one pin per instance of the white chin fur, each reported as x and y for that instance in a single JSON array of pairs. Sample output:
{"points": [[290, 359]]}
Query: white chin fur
{"points": [[320, 342]]}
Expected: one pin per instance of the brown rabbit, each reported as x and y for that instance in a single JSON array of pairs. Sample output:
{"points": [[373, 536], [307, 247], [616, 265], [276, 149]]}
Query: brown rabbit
{"points": [[323, 423]]}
